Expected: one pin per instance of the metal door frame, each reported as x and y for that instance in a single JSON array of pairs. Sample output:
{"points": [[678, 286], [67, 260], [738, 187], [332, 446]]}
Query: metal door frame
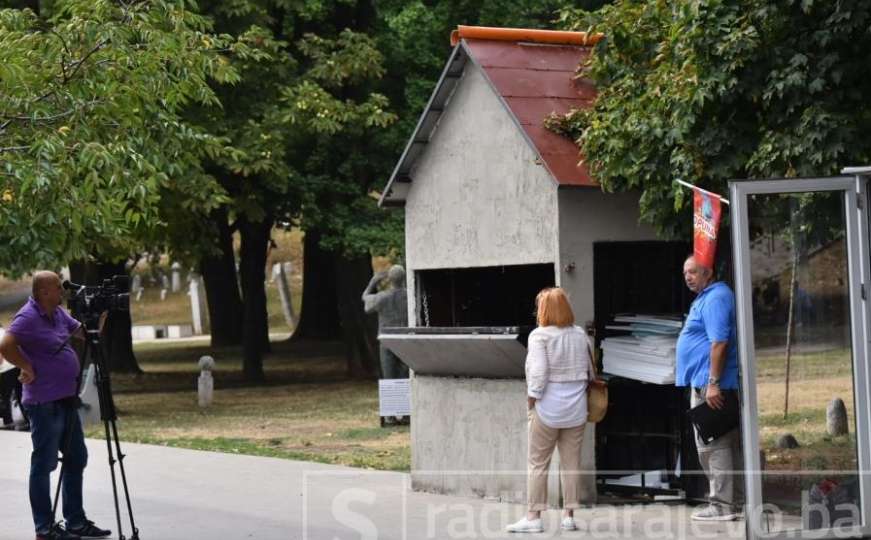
{"points": [[853, 189]]}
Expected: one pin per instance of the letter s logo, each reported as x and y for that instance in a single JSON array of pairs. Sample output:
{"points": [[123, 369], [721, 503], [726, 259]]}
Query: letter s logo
{"points": [[355, 521]]}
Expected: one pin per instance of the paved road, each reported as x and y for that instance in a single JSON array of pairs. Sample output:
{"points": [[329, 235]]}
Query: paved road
{"points": [[189, 495]]}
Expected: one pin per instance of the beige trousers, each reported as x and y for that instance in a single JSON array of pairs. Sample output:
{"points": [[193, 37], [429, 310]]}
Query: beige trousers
{"points": [[542, 441], [723, 463]]}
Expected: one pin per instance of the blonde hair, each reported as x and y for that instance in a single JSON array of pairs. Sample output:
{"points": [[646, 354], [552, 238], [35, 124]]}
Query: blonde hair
{"points": [[553, 308]]}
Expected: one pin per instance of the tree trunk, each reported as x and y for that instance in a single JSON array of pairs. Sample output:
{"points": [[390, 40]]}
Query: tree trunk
{"points": [[359, 331], [790, 325], [222, 286], [319, 315], [252, 272], [117, 338]]}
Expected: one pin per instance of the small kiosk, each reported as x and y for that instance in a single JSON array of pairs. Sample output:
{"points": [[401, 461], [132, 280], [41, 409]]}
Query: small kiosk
{"points": [[497, 207]]}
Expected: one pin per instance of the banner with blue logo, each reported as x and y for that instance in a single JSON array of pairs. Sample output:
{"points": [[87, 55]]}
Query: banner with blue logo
{"points": [[706, 225]]}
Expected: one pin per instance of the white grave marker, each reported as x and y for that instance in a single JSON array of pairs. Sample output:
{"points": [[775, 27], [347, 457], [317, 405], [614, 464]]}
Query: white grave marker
{"points": [[199, 308], [280, 272], [205, 384], [176, 276]]}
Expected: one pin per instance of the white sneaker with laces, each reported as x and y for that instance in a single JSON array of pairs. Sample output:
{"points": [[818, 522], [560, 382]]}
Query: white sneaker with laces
{"points": [[714, 512], [569, 524], [526, 525]]}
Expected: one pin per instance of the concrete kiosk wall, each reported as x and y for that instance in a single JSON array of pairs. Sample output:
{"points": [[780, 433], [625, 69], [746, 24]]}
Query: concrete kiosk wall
{"points": [[479, 198]]}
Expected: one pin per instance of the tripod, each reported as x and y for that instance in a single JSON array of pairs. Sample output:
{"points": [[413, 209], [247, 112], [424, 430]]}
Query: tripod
{"points": [[109, 416]]}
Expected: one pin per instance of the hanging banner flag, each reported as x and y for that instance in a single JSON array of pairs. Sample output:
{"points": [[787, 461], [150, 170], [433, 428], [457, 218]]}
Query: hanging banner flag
{"points": [[706, 224]]}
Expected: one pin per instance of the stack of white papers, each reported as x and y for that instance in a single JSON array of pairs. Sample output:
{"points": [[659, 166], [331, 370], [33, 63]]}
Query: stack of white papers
{"points": [[647, 353]]}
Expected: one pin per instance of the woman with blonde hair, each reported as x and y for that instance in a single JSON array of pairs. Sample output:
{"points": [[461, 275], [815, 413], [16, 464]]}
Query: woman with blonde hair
{"points": [[558, 370]]}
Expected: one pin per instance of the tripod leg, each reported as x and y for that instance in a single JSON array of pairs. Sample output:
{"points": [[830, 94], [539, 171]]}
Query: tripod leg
{"points": [[114, 482], [60, 480], [124, 481], [109, 416]]}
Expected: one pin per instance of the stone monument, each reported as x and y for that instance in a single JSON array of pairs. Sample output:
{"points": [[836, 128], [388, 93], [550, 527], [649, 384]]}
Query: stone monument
{"points": [[205, 384], [176, 277], [136, 287], [199, 308], [280, 271], [164, 286], [836, 418]]}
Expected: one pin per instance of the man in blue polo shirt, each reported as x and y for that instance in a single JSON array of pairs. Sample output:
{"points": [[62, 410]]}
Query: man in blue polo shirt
{"points": [[38, 342], [707, 362]]}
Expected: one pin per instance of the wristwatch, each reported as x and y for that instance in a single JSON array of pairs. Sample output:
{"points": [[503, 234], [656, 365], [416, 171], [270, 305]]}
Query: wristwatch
{"points": [[713, 381]]}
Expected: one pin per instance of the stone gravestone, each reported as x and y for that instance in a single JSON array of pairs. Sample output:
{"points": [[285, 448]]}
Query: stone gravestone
{"points": [[787, 441], [205, 384], [280, 271], [164, 283], [836, 418], [176, 277], [136, 286], [199, 311]]}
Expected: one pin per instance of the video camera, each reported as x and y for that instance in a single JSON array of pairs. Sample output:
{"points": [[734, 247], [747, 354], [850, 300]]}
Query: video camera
{"points": [[90, 301], [87, 303]]}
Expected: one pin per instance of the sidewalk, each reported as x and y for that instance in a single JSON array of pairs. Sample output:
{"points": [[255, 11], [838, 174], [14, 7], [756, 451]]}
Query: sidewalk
{"points": [[190, 495]]}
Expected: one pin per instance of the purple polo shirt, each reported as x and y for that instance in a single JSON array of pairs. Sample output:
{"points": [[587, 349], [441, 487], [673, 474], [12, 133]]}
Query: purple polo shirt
{"points": [[45, 343]]}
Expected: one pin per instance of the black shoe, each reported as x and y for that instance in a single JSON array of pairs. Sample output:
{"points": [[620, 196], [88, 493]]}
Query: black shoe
{"points": [[57, 533], [89, 530]]}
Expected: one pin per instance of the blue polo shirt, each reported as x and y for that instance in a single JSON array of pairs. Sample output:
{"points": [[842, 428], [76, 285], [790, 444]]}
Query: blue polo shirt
{"points": [[711, 318]]}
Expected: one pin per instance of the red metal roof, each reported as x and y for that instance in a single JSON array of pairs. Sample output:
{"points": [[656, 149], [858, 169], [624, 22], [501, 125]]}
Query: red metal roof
{"points": [[535, 80]]}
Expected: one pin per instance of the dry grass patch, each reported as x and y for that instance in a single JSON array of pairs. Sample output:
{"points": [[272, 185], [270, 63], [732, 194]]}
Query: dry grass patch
{"points": [[805, 395], [307, 409], [815, 379]]}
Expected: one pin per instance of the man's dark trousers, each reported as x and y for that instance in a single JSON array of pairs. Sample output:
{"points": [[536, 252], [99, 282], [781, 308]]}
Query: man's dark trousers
{"points": [[49, 423]]}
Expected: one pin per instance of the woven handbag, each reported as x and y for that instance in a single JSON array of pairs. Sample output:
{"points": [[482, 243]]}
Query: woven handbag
{"points": [[597, 393]]}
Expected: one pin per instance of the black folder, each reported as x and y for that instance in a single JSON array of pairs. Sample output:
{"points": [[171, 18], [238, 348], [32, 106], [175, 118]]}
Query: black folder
{"points": [[714, 423]]}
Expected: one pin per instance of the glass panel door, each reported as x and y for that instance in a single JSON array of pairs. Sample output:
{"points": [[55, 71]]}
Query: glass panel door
{"points": [[802, 364]]}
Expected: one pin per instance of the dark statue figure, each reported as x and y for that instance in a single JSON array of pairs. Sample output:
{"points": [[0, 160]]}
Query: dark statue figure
{"points": [[391, 304]]}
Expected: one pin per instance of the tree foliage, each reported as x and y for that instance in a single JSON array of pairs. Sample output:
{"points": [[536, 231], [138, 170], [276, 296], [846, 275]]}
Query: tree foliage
{"points": [[414, 37], [91, 132], [296, 112], [298, 123], [712, 90]]}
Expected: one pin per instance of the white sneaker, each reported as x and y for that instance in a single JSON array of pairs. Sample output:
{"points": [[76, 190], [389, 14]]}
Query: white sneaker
{"points": [[569, 524], [714, 512], [526, 526]]}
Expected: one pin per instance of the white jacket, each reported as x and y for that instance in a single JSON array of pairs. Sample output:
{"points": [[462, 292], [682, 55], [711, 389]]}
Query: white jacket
{"points": [[556, 355]]}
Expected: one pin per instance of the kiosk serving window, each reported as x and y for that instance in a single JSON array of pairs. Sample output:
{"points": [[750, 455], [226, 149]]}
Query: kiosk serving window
{"points": [[487, 296], [471, 322]]}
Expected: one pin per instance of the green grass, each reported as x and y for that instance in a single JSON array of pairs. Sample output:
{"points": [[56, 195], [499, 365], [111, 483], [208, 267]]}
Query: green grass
{"points": [[306, 410], [387, 460], [823, 364], [794, 419], [373, 433]]}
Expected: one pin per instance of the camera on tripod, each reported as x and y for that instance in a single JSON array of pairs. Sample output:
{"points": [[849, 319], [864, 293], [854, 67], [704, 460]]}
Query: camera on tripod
{"points": [[89, 301]]}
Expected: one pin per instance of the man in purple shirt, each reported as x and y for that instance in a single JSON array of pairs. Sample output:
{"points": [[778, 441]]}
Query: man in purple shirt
{"points": [[38, 342]]}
